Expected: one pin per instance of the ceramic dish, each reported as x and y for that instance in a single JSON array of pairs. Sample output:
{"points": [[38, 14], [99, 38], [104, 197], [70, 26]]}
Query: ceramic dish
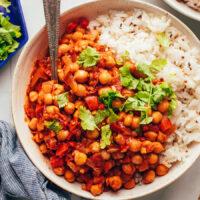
{"points": [[33, 51], [184, 9]]}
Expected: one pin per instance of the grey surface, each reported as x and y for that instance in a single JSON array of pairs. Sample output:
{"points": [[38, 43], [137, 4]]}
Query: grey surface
{"points": [[185, 188]]}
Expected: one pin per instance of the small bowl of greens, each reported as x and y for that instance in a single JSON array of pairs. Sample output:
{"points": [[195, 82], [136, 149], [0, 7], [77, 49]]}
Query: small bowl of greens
{"points": [[13, 32]]}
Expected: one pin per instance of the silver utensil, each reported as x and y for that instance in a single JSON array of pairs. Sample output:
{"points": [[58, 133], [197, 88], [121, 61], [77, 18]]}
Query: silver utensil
{"points": [[52, 13]]}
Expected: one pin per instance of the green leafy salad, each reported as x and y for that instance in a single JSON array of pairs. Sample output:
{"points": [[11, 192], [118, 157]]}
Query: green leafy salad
{"points": [[8, 33]]}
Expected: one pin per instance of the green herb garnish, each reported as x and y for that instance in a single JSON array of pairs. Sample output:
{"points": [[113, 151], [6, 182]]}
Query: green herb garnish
{"points": [[101, 115], [62, 100], [5, 4], [8, 35], [87, 119], [163, 40], [88, 57], [53, 125], [105, 136]]}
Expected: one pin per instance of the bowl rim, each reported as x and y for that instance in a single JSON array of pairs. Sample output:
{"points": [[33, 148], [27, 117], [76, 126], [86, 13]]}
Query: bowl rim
{"points": [[14, 114], [184, 9]]}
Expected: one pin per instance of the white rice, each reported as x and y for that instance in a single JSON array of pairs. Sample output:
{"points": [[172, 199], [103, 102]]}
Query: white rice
{"points": [[135, 32]]}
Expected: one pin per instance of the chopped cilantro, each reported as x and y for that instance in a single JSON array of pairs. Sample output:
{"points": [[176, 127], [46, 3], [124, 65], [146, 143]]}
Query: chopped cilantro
{"points": [[126, 77], [108, 97], [87, 119], [163, 40], [101, 115], [88, 57], [113, 116], [53, 125], [123, 58], [62, 100], [105, 136], [5, 4]]}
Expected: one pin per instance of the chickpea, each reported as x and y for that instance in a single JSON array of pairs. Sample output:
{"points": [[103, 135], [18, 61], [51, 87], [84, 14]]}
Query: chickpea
{"points": [[95, 147], [81, 90], [117, 103], [40, 126], [128, 120], [128, 169], [103, 90], [105, 155], [144, 166], [61, 74], [47, 87], [122, 116], [81, 76], [119, 139], [76, 114], [74, 67], [163, 106], [158, 147], [149, 177], [127, 93], [153, 158], [135, 122], [92, 134], [130, 184], [157, 117], [96, 189], [69, 108], [66, 59], [33, 124], [38, 138], [63, 48], [62, 135], [48, 99], [33, 96], [110, 61], [58, 89], [115, 182], [105, 77], [80, 158], [78, 104], [52, 109], [77, 36], [150, 135], [161, 170], [43, 148], [69, 176], [59, 171], [161, 137], [147, 147], [137, 159], [134, 145], [40, 97]]}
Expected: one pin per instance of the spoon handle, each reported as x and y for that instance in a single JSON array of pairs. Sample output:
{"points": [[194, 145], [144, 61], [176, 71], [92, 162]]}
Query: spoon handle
{"points": [[52, 13]]}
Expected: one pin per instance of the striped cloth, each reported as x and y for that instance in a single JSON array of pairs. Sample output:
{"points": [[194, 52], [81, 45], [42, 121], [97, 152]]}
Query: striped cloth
{"points": [[19, 178]]}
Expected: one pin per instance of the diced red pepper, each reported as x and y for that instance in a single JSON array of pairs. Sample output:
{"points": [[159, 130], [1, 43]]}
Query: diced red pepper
{"points": [[92, 102], [165, 124], [56, 162], [71, 27], [109, 165], [83, 22], [101, 106], [62, 149], [39, 110]]}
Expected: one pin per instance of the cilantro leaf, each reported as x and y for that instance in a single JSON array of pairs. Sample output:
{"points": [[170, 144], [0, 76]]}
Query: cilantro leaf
{"points": [[53, 125], [105, 136], [126, 77], [163, 40], [108, 97], [123, 58], [87, 119], [8, 34], [62, 100], [155, 66], [5, 4], [113, 117], [173, 104], [88, 57], [101, 115]]}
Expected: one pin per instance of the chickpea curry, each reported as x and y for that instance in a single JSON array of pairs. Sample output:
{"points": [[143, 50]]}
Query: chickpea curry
{"points": [[106, 121]]}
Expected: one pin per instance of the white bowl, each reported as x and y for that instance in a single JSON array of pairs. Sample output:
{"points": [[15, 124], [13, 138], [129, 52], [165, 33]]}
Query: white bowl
{"points": [[37, 48], [184, 9]]}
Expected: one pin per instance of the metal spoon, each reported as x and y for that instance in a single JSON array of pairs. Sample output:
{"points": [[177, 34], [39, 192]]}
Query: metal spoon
{"points": [[52, 13]]}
